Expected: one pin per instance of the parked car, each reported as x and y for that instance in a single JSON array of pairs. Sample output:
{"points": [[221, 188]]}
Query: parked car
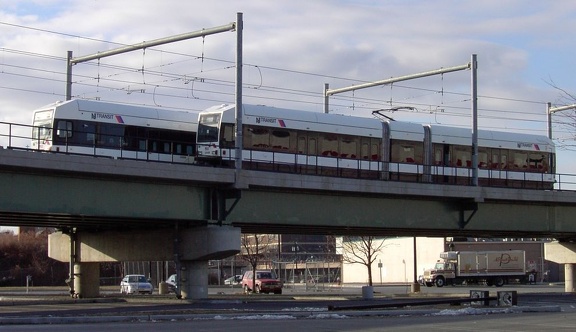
{"points": [[136, 283], [266, 282], [171, 281], [234, 280]]}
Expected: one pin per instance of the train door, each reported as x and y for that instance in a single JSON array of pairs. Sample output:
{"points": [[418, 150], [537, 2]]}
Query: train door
{"points": [[306, 152]]}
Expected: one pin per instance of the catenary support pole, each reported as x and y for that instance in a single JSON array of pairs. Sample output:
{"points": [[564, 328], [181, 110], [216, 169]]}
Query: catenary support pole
{"points": [[474, 93], [238, 146]]}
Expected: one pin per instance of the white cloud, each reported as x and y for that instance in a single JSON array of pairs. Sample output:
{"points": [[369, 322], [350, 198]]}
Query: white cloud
{"points": [[520, 45]]}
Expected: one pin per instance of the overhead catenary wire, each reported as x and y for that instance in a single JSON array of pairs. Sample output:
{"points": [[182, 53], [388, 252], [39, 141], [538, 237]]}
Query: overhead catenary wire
{"points": [[293, 95]]}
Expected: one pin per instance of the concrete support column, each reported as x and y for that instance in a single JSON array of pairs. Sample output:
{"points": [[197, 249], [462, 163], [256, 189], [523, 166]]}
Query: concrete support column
{"points": [[194, 247], [569, 277], [194, 279], [86, 280]]}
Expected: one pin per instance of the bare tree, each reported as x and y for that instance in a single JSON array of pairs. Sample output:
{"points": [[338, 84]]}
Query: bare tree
{"points": [[255, 249], [362, 250], [565, 119]]}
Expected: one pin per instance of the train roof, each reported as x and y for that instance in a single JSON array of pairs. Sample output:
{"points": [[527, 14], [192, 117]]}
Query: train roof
{"points": [[491, 139], [91, 110], [406, 131], [121, 109], [302, 120]]}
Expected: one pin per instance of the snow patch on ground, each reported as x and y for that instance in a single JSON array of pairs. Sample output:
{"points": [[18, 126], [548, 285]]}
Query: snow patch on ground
{"points": [[470, 311]]}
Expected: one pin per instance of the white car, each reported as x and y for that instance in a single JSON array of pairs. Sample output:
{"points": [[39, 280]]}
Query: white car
{"points": [[235, 280], [136, 283], [171, 281]]}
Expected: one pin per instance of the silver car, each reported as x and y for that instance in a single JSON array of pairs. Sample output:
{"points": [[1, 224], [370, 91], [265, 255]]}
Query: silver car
{"points": [[136, 283]]}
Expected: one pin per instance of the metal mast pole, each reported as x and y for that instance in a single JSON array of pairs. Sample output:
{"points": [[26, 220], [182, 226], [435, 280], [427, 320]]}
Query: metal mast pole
{"points": [[549, 116], [69, 76], [474, 121], [326, 97], [238, 146]]}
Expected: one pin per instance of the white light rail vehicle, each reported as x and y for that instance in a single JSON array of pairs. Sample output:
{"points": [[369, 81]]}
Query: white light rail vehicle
{"points": [[283, 140], [115, 130]]}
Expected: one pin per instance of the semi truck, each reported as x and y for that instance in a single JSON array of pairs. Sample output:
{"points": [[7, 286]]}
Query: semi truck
{"points": [[464, 267]]}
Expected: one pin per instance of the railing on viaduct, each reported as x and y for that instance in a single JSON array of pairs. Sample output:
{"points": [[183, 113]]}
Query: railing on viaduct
{"points": [[20, 136]]}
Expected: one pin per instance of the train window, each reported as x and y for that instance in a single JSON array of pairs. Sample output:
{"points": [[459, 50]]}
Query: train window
{"points": [[537, 161], [260, 138], [85, 133], [211, 119], [349, 147], [438, 155], [365, 150], [42, 131], [329, 145], [131, 135], [280, 139], [64, 129], [503, 160], [406, 152], [365, 146], [207, 133], [110, 134], [401, 153], [141, 145], [312, 144], [495, 161], [462, 156], [228, 136], [374, 149], [302, 145], [281, 133], [520, 160], [483, 158], [247, 137]]}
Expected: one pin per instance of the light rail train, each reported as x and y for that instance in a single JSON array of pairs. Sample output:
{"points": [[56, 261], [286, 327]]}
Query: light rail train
{"points": [[115, 130], [336, 145]]}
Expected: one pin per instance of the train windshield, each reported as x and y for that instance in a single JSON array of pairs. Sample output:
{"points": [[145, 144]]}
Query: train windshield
{"points": [[42, 126], [208, 127]]}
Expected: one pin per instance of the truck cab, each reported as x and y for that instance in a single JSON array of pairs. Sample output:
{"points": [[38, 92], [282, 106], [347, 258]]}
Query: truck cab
{"points": [[437, 276]]}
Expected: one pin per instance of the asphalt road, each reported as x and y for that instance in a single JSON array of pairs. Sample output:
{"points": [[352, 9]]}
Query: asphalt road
{"points": [[297, 308]]}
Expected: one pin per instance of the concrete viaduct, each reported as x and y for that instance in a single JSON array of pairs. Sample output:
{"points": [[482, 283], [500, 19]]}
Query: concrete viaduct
{"points": [[117, 210]]}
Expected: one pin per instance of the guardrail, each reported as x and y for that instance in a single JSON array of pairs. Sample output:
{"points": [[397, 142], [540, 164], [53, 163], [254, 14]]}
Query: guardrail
{"points": [[285, 162], [19, 136]]}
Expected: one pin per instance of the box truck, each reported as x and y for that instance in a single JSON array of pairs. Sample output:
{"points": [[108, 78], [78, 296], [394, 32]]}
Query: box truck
{"points": [[492, 267]]}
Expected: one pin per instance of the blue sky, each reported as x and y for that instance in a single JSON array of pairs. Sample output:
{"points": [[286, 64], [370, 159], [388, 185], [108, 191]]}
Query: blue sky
{"points": [[291, 48]]}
